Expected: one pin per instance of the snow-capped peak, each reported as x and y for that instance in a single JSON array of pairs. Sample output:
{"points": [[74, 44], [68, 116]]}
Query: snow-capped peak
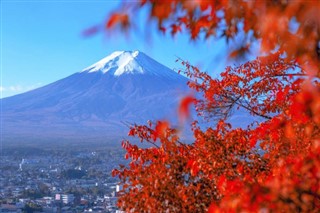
{"points": [[117, 63], [130, 62]]}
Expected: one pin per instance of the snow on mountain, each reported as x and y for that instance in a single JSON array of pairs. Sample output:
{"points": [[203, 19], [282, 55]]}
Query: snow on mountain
{"points": [[130, 62], [124, 87]]}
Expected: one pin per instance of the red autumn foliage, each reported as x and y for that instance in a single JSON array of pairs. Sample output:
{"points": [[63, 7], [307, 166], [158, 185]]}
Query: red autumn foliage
{"points": [[271, 165], [287, 26], [184, 107], [118, 19]]}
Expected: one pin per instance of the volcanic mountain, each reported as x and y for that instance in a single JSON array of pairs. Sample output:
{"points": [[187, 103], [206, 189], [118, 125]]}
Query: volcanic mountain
{"points": [[124, 87]]}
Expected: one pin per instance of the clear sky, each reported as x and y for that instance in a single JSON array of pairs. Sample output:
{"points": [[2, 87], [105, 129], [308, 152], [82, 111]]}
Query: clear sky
{"points": [[41, 42]]}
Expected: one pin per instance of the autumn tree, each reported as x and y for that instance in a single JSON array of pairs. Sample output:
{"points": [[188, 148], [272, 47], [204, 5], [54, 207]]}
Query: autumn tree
{"points": [[269, 166]]}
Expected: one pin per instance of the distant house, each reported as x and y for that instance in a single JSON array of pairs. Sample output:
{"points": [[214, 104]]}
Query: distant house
{"points": [[67, 198]]}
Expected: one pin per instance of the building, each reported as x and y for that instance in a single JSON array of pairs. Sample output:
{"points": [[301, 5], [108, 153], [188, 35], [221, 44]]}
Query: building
{"points": [[67, 198]]}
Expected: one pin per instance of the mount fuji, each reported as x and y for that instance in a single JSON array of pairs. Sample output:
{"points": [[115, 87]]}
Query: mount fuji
{"points": [[124, 87]]}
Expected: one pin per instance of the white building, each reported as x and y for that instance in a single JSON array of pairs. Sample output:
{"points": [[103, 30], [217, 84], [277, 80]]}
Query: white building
{"points": [[67, 198]]}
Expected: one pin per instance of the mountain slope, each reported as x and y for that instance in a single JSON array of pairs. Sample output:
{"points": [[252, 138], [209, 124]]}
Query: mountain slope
{"points": [[94, 103]]}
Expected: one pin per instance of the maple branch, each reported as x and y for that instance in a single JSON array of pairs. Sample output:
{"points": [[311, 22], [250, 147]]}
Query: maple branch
{"points": [[254, 112], [153, 144], [289, 74], [236, 102]]}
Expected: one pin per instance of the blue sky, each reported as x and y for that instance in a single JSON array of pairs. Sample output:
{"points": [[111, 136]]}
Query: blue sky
{"points": [[41, 42]]}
